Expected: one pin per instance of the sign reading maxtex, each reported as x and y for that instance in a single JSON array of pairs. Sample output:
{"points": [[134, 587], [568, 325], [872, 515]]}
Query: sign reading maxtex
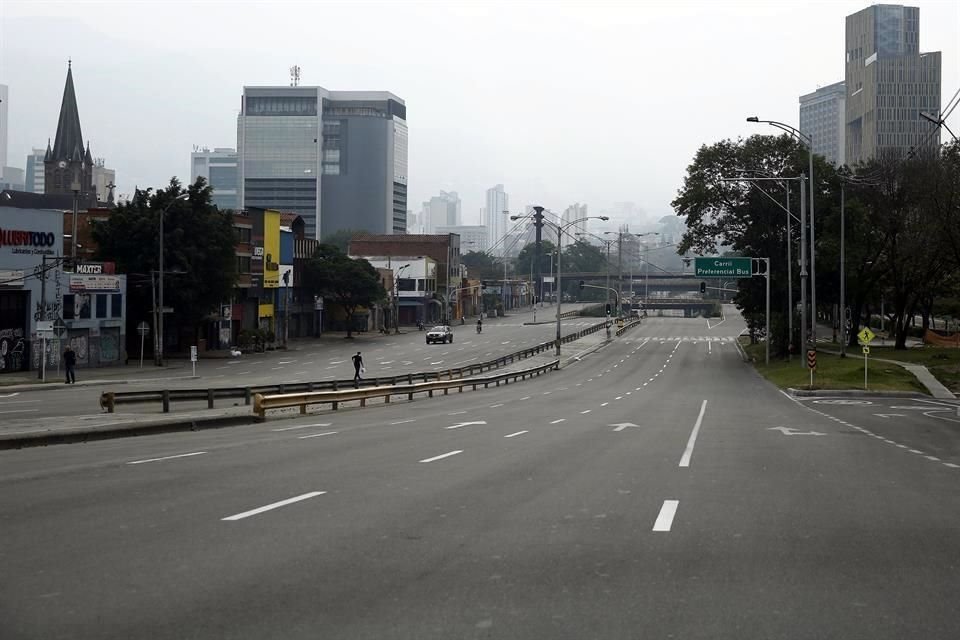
{"points": [[723, 267]]}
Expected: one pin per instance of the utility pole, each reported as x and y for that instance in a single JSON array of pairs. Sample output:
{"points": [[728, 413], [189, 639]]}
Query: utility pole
{"points": [[538, 273], [43, 312]]}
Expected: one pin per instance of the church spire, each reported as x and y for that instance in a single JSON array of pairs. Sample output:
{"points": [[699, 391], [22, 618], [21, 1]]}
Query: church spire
{"points": [[68, 143]]}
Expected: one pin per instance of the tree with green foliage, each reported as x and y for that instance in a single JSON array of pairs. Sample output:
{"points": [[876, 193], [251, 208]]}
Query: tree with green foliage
{"points": [[525, 259], [199, 252], [350, 282], [341, 239], [480, 264]]}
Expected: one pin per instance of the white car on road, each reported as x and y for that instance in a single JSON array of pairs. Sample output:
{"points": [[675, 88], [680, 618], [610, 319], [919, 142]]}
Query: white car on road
{"points": [[440, 333]]}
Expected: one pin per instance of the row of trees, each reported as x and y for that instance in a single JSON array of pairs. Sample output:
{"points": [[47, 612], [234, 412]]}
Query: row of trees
{"points": [[579, 256], [902, 228]]}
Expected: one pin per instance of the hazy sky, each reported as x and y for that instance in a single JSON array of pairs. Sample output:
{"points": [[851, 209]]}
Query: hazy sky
{"points": [[562, 102]]}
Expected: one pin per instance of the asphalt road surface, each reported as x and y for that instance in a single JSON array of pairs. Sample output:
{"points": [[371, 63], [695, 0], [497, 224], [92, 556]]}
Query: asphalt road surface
{"points": [[308, 361], [658, 488]]}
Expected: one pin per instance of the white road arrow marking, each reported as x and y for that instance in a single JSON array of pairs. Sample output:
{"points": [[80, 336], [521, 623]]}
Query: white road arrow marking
{"points": [[787, 431], [466, 424], [620, 426]]}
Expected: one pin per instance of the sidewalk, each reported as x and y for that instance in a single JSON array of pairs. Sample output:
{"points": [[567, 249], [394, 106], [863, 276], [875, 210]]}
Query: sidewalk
{"points": [[920, 372]]}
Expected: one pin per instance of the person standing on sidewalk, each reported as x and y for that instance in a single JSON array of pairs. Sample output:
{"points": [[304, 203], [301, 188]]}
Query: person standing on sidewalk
{"points": [[357, 366], [69, 362]]}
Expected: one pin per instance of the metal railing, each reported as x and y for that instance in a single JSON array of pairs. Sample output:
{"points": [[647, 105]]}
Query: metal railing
{"points": [[263, 403], [629, 325], [111, 399]]}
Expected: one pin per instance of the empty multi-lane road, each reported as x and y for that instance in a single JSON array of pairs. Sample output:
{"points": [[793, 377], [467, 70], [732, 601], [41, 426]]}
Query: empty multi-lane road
{"points": [[657, 488]]}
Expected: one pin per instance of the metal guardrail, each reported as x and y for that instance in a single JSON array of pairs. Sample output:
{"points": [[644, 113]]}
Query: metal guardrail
{"points": [[111, 399], [263, 403], [629, 325]]}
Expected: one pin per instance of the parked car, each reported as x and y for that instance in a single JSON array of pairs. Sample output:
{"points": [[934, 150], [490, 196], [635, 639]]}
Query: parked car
{"points": [[440, 333]]}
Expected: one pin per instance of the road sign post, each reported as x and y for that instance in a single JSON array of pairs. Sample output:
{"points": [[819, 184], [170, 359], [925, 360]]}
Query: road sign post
{"points": [[716, 267], [866, 336], [811, 363], [193, 359], [143, 329], [44, 328]]}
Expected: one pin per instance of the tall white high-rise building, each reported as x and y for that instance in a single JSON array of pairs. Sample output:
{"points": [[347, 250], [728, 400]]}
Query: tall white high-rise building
{"points": [[494, 217], [33, 180], [4, 101], [443, 210], [219, 167], [571, 213]]}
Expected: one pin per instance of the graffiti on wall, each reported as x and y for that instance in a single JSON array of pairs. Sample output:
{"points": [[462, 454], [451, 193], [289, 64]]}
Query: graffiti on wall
{"points": [[12, 350], [81, 346], [50, 309], [110, 345]]}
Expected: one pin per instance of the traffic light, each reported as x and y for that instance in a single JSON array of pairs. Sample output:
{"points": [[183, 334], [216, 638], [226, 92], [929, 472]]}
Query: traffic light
{"points": [[703, 287], [609, 308], [581, 285]]}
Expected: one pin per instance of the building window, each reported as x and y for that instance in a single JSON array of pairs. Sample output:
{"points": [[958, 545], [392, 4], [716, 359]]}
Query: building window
{"points": [[243, 264], [68, 306], [82, 301], [101, 305], [243, 235], [116, 305]]}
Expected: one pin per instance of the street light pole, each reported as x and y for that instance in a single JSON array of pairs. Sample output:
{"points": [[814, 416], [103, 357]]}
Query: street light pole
{"points": [[808, 142]]}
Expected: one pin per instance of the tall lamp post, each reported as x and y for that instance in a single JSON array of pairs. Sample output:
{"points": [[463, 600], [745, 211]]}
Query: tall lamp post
{"points": [[560, 229], [396, 294], [808, 142], [163, 214]]}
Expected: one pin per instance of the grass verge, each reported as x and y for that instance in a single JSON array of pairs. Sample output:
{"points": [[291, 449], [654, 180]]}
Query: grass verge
{"points": [[833, 372]]}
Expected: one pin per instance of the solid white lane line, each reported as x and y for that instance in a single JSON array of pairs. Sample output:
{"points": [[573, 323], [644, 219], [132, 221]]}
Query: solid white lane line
{"points": [[518, 433], [404, 421], [688, 452], [304, 426], [181, 455], [442, 456], [275, 505], [494, 406], [558, 421], [586, 411], [951, 465], [665, 517], [525, 398], [317, 435], [21, 411]]}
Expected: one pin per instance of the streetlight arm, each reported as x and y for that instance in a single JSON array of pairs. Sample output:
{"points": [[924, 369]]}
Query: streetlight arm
{"points": [[807, 140]]}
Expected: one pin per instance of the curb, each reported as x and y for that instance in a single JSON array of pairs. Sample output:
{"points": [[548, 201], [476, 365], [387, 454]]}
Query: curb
{"points": [[49, 386], [743, 354], [854, 393], [45, 438]]}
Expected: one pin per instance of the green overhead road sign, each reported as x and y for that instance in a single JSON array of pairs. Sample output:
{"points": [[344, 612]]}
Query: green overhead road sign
{"points": [[723, 267]]}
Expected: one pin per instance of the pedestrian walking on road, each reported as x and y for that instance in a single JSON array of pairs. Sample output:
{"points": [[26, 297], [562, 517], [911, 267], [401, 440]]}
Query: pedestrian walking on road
{"points": [[69, 362], [357, 366]]}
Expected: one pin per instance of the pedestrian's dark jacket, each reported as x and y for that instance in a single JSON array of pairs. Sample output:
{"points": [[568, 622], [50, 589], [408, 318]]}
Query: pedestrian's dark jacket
{"points": [[70, 358], [357, 361]]}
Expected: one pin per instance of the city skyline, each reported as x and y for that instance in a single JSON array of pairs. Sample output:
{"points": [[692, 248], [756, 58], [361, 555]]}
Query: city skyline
{"points": [[526, 142]]}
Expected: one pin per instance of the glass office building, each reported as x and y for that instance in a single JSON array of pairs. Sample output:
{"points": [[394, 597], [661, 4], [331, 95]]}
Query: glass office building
{"points": [[336, 158]]}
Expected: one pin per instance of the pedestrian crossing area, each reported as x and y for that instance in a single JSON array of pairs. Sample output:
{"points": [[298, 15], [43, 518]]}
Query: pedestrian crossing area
{"points": [[721, 339]]}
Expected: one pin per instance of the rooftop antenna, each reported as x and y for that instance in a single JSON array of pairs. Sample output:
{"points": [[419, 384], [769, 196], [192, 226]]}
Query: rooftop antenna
{"points": [[295, 76]]}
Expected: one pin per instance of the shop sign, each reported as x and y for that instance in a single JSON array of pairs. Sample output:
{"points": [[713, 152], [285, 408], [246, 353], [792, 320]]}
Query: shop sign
{"points": [[9, 278], [96, 268], [81, 283]]}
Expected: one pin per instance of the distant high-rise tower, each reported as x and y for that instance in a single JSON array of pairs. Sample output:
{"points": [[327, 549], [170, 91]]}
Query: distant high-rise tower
{"points": [[442, 211], [219, 167], [4, 101], [33, 181], [888, 84], [822, 117], [572, 213], [495, 216], [68, 166]]}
